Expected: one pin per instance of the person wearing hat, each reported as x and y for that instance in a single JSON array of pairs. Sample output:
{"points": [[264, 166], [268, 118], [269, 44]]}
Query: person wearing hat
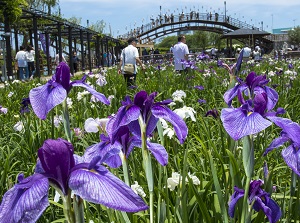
{"points": [[130, 55]]}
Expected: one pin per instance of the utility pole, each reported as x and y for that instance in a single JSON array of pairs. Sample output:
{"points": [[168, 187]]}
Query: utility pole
{"points": [[225, 10]]}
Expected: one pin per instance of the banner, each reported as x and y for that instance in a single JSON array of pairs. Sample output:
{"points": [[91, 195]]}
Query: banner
{"points": [[43, 42]]}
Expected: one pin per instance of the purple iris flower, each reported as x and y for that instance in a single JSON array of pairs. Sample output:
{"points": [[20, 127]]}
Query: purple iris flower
{"points": [[289, 134], [143, 111], [25, 105], [189, 64], [290, 66], [220, 63], [54, 92], [214, 113], [261, 201], [239, 61], [249, 118], [201, 101], [203, 56], [199, 87], [58, 166], [124, 142]]}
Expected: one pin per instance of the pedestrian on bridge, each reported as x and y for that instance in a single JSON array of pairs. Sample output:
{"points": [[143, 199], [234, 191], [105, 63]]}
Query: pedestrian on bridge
{"points": [[180, 52]]}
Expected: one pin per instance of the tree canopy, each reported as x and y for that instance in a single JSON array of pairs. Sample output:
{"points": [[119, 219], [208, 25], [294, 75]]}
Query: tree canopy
{"points": [[294, 36]]}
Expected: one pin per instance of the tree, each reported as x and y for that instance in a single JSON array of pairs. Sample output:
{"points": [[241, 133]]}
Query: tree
{"points": [[200, 40], [98, 26], [10, 12], [294, 36], [167, 42], [75, 20]]}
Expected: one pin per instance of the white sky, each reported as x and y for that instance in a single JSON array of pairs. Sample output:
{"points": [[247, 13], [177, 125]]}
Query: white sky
{"points": [[122, 14]]}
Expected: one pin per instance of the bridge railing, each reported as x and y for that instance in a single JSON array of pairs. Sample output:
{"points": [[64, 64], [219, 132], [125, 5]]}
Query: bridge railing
{"points": [[195, 17]]}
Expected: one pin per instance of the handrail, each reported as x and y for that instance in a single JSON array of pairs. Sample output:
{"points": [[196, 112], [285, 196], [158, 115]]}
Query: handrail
{"points": [[193, 17]]}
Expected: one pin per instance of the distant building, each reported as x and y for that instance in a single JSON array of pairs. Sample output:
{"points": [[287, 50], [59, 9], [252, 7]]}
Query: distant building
{"points": [[281, 30]]}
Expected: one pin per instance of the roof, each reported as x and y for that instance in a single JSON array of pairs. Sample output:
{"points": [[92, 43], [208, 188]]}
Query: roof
{"points": [[245, 33]]}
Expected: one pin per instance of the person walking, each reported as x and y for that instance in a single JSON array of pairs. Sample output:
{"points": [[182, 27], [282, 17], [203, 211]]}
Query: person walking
{"points": [[180, 52], [21, 59], [130, 56], [30, 53]]}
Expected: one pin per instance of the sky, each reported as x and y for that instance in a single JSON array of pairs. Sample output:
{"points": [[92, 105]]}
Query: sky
{"points": [[120, 16]]}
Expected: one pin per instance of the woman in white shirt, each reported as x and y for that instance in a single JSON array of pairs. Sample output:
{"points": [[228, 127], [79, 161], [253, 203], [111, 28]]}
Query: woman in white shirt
{"points": [[30, 53]]}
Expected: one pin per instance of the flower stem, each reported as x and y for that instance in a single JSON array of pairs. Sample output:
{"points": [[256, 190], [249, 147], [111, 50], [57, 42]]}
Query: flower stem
{"points": [[78, 209], [125, 168], [147, 166], [66, 120], [248, 161], [246, 212], [68, 212]]}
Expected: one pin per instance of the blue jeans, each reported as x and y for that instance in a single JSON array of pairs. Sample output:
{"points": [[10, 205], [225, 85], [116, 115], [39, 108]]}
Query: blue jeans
{"points": [[23, 70]]}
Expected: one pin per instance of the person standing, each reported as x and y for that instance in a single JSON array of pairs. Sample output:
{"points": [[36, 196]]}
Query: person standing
{"points": [[130, 55], [30, 53], [256, 54], [57, 60], [213, 53], [246, 53], [21, 59], [75, 61], [180, 52]]}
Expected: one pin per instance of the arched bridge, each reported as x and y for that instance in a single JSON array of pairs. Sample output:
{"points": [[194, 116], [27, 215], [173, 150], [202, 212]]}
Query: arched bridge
{"points": [[166, 24]]}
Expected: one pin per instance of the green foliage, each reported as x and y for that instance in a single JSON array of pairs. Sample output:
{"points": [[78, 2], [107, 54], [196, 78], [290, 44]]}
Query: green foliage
{"points": [[208, 153], [294, 36], [75, 20], [11, 9], [98, 26], [167, 42], [198, 41]]}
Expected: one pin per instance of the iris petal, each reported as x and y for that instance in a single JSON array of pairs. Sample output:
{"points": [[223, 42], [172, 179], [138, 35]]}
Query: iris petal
{"points": [[177, 122], [291, 157], [269, 207], [25, 202], [125, 115], [159, 152], [56, 157], [102, 187], [238, 124], [151, 125], [276, 143], [231, 93], [101, 149], [46, 97], [272, 97], [63, 75], [99, 96], [292, 129], [233, 200]]}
